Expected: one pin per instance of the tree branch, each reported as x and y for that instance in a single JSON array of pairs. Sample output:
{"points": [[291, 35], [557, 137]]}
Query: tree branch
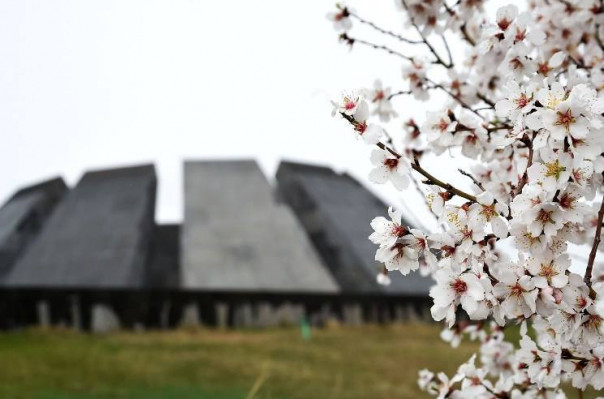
{"points": [[384, 31], [463, 28], [456, 98], [594, 247], [478, 184], [351, 41], [399, 93], [486, 100], [448, 49], [524, 178], [417, 167], [598, 38], [425, 41]]}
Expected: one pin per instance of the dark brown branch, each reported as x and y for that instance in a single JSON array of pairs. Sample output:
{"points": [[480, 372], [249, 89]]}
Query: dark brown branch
{"points": [[389, 149], [463, 28], [438, 60], [447, 49], [524, 178], [351, 41], [417, 167], [479, 184], [399, 93], [483, 108], [464, 128], [421, 194], [598, 38], [456, 98], [466, 35], [384, 31], [389, 139], [594, 247], [405, 92], [486, 100]]}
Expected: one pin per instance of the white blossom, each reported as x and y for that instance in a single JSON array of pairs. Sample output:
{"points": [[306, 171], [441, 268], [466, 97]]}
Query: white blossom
{"points": [[389, 167], [521, 109]]}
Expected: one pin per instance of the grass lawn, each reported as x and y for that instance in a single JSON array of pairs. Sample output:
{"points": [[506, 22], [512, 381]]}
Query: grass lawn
{"points": [[339, 362]]}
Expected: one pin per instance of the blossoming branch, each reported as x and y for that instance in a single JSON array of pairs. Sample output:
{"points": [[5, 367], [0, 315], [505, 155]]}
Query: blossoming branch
{"points": [[524, 104]]}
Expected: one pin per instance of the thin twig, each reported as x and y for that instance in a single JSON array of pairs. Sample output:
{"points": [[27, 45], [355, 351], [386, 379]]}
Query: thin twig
{"points": [[483, 108], [463, 28], [406, 92], [351, 41], [479, 184], [486, 100], [598, 38], [448, 49], [384, 31], [399, 93], [594, 247], [466, 35], [421, 194], [464, 128], [389, 149], [524, 178], [417, 167], [438, 60], [389, 139], [456, 98]]}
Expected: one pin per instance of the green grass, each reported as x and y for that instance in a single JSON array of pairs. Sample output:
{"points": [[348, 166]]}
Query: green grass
{"points": [[339, 362]]}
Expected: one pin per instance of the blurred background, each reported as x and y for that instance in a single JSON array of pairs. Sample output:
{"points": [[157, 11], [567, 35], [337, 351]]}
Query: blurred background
{"points": [[87, 85], [183, 218]]}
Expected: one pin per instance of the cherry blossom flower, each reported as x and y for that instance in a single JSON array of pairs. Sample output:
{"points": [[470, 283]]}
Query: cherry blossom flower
{"points": [[505, 16], [553, 172], [415, 72], [570, 202], [399, 257], [371, 134], [518, 63], [473, 137], [576, 295], [518, 294], [388, 167], [565, 120], [486, 211], [383, 279], [526, 29], [546, 65], [419, 242], [379, 97], [464, 234], [351, 105], [340, 18], [548, 270], [454, 288], [518, 101], [387, 232], [440, 129], [594, 370], [436, 199], [426, 380]]}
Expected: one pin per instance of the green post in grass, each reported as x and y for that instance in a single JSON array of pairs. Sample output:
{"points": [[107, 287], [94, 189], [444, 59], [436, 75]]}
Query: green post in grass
{"points": [[305, 330]]}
